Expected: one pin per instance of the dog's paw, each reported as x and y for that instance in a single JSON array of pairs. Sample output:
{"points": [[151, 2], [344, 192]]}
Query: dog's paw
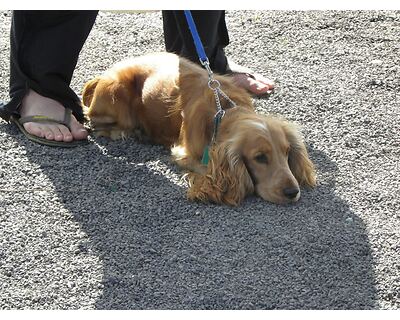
{"points": [[119, 134]]}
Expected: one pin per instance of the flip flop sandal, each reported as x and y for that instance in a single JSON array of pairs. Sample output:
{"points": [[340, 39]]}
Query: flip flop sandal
{"points": [[52, 143], [234, 68]]}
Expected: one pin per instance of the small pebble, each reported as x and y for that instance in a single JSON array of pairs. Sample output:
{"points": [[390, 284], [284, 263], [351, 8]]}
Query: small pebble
{"points": [[376, 62]]}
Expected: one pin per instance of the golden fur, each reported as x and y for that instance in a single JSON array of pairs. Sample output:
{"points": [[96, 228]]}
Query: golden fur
{"points": [[167, 98]]}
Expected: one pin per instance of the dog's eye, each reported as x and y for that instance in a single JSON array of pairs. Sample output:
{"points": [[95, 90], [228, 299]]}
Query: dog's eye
{"points": [[261, 158]]}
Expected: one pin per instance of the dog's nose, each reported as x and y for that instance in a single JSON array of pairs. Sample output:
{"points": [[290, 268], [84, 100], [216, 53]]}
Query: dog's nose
{"points": [[291, 193]]}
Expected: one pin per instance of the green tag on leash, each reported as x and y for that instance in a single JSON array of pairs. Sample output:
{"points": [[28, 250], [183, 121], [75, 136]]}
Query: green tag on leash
{"points": [[205, 158]]}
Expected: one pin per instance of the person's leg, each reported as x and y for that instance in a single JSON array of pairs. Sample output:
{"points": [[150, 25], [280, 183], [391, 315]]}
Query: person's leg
{"points": [[44, 52], [212, 30]]}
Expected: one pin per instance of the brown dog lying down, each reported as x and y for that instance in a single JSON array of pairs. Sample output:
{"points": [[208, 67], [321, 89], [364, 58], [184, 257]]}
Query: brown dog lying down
{"points": [[168, 99]]}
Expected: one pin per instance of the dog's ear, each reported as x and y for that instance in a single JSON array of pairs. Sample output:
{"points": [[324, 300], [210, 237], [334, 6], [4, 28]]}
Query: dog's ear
{"points": [[299, 162], [226, 180], [88, 91]]}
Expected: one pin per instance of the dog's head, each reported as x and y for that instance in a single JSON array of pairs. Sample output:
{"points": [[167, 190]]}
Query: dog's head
{"points": [[109, 102], [255, 154]]}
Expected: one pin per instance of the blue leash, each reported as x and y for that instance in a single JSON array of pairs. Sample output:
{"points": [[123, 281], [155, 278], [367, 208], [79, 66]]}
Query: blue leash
{"points": [[213, 84], [196, 38]]}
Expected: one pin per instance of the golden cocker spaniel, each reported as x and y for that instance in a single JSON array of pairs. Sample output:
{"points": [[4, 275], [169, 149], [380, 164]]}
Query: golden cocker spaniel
{"points": [[167, 98]]}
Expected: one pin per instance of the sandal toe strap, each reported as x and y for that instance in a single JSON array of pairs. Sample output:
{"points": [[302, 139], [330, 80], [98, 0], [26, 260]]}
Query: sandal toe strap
{"points": [[44, 119]]}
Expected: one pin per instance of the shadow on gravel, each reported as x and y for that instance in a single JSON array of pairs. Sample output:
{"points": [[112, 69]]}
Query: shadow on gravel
{"points": [[161, 252]]}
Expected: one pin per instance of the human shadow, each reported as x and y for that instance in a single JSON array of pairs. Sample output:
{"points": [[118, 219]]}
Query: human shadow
{"points": [[160, 251]]}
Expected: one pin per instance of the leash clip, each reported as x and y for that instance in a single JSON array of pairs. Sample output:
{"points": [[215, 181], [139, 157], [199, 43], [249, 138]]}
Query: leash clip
{"points": [[214, 84], [206, 65]]}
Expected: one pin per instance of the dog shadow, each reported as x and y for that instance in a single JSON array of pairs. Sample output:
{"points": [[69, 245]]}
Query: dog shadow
{"points": [[160, 251]]}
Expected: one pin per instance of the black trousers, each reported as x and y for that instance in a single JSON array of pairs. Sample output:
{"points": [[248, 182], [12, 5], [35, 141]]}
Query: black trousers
{"points": [[212, 31], [45, 46]]}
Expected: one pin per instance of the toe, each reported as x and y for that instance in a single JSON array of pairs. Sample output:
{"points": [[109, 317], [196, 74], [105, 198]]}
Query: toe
{"points": [[58, 136], [267, 82], [56, 132], [258, 87], [65, 134], [257, 84], [77, 130], [34, 129], [47, 132]]}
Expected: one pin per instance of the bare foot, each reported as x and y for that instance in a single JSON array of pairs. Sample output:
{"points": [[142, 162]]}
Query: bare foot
{"points": [[35, 104], [249, 80], [256, 83]]}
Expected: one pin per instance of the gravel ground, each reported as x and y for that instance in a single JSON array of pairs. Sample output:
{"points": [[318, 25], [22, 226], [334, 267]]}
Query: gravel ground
{"points": [[107, 226]]}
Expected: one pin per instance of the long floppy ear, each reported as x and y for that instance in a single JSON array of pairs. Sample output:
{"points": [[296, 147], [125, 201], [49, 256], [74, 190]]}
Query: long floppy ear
{"points": [[226, 180], [299, 162], [88, 91]]}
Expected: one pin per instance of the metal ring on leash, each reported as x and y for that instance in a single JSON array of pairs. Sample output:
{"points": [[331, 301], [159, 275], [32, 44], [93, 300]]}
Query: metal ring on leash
{"points": [[213, 84]]}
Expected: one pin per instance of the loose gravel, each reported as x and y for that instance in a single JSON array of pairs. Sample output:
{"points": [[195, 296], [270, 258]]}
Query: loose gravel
{"points": [[107, 226]]}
